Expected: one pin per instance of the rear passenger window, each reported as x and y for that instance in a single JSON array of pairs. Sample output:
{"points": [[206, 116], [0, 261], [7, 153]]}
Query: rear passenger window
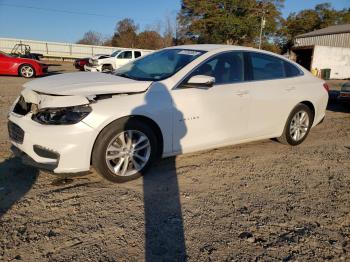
{"points": [[291, 70], [266, 67], [125, 55], [137, 54]]}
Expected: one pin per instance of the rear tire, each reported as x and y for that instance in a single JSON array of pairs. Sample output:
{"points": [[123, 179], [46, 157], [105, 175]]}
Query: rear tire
{"points": [[114, 151], [298, 126]]}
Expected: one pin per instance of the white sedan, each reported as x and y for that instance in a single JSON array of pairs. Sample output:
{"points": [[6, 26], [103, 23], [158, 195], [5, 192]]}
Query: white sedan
{"points": [[177, 100]]}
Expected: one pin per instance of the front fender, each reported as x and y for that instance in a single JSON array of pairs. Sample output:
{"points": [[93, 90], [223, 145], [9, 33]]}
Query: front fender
{"points": [[152, 105]]}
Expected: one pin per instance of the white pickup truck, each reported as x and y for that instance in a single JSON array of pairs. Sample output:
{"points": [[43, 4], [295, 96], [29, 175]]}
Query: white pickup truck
{"points": [[117, 59]]}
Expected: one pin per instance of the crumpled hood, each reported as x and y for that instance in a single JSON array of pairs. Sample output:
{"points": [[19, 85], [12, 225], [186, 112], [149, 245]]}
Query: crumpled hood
{"points": [[86, 84], [95, 57]]}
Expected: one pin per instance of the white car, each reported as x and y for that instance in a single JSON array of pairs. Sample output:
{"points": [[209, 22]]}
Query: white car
{"points": [[117, 59], [177, 100]]}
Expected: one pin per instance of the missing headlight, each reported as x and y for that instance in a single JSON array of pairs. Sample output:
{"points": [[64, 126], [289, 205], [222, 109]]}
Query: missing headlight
{"points": [[62, 116], [22, 107]]}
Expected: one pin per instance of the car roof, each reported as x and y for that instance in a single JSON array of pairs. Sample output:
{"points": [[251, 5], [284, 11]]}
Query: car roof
{"points": [[222, 48], [211, 47]]}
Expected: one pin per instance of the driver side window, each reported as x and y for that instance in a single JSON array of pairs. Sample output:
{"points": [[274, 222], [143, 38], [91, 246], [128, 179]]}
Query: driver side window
{"points": [[226, 68]]}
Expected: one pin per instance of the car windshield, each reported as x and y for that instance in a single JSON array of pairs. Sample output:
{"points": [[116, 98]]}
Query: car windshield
{"points": [[158, 65], [115, 53]]}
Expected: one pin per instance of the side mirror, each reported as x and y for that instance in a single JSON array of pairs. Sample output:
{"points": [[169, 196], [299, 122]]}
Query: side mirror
{"points": [[200, 81]]}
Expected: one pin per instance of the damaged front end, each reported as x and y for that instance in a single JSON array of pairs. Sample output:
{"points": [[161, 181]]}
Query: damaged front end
{"points": [[40, 132], [62, 116], [52, 109], [52, 122], [66, 99]]}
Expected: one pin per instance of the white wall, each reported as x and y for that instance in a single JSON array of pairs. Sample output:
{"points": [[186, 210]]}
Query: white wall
{"points": [[55, 49], [335, 58]]}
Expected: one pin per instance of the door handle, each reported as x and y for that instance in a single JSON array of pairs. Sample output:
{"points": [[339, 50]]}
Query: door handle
{"points": [[291, 88], [242, 93]]}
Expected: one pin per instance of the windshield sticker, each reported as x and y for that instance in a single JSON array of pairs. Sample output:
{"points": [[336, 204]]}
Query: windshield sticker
{"points": [[189, 52]]}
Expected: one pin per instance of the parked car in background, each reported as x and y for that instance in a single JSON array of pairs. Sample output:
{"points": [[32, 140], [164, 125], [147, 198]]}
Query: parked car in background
{"points": [[344, 95], [117, 59], [81, 62], [177, 100], [24, 67]]}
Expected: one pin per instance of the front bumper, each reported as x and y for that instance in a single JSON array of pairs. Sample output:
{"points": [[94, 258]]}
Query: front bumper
{"points": [[89, 68], [58, 148], [30, 161]]}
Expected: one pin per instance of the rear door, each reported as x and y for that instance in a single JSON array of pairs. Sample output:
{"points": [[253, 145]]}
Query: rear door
{"points": [[273, 88]]}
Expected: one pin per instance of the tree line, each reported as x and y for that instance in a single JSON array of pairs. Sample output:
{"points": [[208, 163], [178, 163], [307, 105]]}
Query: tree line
{"points": [[127, 35], [225, 22]]}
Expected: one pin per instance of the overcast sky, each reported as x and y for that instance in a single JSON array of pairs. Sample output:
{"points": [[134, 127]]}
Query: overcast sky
{"points": [[67, 20]]}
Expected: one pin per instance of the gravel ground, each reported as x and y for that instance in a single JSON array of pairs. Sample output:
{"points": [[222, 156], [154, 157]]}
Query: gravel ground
{"points": [[260, 201]]}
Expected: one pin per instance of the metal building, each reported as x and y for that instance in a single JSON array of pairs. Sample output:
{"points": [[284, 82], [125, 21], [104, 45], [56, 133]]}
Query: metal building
{"points": [[327, 48]]}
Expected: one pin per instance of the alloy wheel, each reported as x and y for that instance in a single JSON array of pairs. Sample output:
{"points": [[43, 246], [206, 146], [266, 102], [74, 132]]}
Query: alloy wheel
{"points": [[27, 71], [299, 125], [128, 153]]}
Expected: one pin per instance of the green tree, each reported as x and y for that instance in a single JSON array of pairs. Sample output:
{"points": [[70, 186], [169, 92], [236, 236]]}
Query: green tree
{"points": [[228, 21], [323, 15], [345, 13]]}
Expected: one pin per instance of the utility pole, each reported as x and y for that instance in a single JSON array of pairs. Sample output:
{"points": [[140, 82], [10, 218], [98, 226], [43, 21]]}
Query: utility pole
{"points": [[176, 31], [262, 26], [262, 10]]}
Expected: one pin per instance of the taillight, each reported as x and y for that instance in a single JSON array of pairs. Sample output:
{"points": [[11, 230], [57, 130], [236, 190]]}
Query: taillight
{"points": [[326, 86]]}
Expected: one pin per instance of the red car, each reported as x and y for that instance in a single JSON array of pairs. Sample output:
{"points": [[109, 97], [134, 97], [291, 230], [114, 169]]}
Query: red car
{"points": [[10, 65], [79, 63]]}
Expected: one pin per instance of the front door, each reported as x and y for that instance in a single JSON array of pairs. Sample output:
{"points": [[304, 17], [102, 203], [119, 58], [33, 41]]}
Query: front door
{"points": [[210, 117]]}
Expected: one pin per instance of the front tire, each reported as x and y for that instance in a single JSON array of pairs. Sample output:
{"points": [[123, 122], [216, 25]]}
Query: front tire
{"points": [[298, 125], [26, 71], [124, 150], [107, 68]]}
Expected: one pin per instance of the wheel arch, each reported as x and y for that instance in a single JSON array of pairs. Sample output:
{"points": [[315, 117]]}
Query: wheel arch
{"points": [[150, 122], [106, 64], [311, 106], [285, 137], [155, 127], [304, 102]]}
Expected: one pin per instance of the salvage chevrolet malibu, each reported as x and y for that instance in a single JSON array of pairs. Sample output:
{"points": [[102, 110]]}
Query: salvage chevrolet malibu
{"points": [[173, 101]]}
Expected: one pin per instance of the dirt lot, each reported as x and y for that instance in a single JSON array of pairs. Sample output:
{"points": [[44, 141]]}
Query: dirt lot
{"points": [[260, 201]]}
